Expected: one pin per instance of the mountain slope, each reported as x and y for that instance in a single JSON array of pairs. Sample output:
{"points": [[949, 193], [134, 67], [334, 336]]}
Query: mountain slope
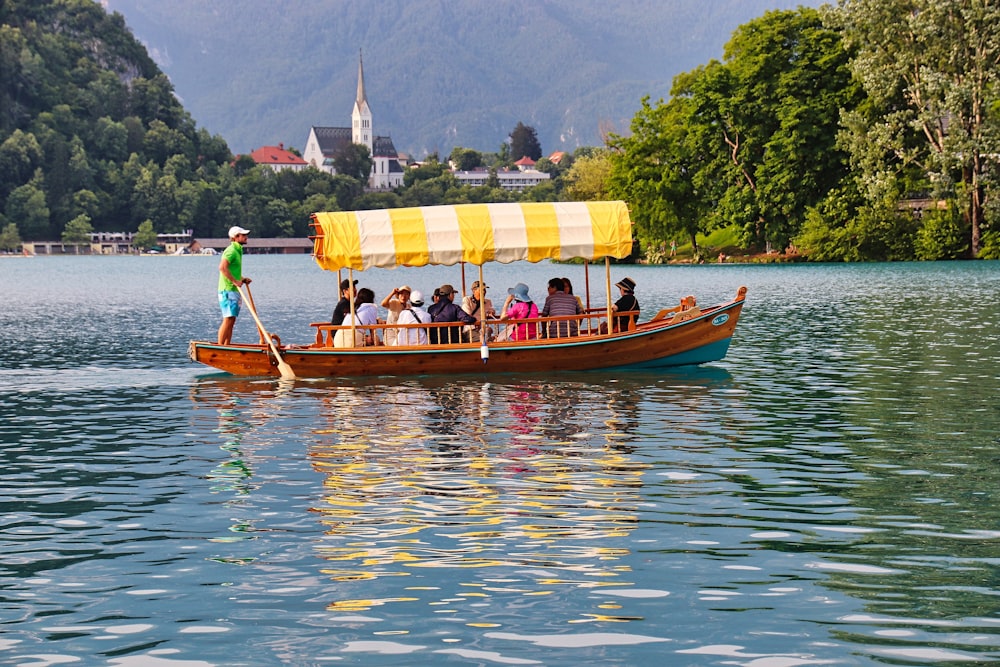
{"points": [[439, 74]]}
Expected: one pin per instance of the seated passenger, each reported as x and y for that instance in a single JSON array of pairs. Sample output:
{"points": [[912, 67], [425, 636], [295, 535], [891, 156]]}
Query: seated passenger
{"points": [[479, 307], [519, 306], [395, 302], [343, 307], [365, 313], [557, 304], [415, 314], [445, 310], [568, 288], [626, 303]]}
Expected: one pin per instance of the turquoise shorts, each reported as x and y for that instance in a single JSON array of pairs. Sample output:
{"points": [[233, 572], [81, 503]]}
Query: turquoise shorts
{"points": [[229, 302]]}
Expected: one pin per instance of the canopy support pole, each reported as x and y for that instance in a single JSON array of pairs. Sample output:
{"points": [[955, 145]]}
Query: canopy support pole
{"points": [[482, 306], [354, 319], [586, 280], [607, 280]]}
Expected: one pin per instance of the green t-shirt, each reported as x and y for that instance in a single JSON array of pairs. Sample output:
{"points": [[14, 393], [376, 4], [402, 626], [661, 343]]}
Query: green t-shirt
{"points": [[234, 255]]}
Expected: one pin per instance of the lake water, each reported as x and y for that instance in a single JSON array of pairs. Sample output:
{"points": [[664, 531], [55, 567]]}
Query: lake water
{"points": [[828, 494]]}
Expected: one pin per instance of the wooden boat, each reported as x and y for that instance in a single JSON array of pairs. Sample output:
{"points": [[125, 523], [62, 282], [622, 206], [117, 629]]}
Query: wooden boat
{"points": [[478, 234]]}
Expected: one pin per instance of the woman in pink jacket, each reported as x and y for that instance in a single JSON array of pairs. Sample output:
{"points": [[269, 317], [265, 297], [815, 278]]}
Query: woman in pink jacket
{"points": [[519, 306]]}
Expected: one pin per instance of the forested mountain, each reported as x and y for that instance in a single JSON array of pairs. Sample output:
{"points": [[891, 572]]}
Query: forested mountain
{"points": [[439, 74]]}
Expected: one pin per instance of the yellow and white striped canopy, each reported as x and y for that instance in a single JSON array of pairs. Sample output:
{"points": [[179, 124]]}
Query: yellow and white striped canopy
{"points": [[473, 233]]}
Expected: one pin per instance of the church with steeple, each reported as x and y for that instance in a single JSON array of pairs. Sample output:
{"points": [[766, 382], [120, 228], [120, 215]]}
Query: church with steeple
{"points": [[325, 142]]}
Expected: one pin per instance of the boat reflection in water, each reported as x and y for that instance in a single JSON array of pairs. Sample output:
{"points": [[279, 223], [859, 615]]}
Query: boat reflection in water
{"points": [[512, 484], [450, 498]]}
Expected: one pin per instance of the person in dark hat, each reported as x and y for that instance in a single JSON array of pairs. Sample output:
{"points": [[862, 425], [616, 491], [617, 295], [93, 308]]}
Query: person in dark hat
{"points": [[445, 310], [343, 306], [626, 304]]}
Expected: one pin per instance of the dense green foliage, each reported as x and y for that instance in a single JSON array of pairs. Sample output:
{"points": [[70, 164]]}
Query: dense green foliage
{"points": [[749, 142], [868, 131], [934, 85], [818, 129]]}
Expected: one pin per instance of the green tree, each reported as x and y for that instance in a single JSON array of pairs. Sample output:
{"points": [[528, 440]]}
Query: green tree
{"points": [[85, 203], [524, 143], [428, 191], [26, 205], [941, 236], [10, 239], [346, 190], [544, 191], [588, 179], [465, 159], [371, 201], [78, 231], [354, 160], [145, 237], [243, 165], [492, 180], [942, 57], [768, 117], [110, 140], [655, 168], [20, 155], [161, 142], [429, 170]]}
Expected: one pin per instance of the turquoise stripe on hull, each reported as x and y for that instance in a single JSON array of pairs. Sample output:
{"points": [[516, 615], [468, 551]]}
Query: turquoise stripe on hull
{"points": [[702, 355]]}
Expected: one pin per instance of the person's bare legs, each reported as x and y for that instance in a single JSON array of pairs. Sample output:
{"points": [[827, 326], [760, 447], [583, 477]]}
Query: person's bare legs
{"points": [[226, 330]]}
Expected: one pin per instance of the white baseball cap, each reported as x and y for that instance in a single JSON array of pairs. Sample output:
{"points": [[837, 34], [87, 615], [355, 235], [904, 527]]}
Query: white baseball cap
{"points": [[236, 230]]}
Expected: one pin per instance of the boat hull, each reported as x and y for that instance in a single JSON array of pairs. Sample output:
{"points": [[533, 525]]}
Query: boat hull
{"points": [[652, 345]]}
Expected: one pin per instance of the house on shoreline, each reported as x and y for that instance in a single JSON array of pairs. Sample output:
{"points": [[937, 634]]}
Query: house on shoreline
{"points": [[278, 158]]}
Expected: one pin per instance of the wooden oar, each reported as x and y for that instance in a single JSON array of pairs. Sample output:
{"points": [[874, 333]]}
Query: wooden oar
{"points": [[260, 329], [285, 370]]}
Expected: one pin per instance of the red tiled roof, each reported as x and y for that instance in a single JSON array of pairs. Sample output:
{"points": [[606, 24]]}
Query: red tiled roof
{"points": [[276, 155], [526, 161], [557, 157]]}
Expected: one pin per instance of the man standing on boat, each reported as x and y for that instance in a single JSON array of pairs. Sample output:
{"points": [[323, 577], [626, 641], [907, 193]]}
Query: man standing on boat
{"points": [[445, 310], [230, 279]]}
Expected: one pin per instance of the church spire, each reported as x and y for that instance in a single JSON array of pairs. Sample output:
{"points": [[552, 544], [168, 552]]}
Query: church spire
{"points": [[361, 117], [361, 81]]}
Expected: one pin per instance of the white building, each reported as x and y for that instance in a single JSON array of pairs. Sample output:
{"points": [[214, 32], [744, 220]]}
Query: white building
{"points": [[325, 142], [509, 180]]}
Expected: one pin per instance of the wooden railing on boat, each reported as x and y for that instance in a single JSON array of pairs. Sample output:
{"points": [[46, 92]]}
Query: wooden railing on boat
{"points": [[547, 329], [593, 322]]}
